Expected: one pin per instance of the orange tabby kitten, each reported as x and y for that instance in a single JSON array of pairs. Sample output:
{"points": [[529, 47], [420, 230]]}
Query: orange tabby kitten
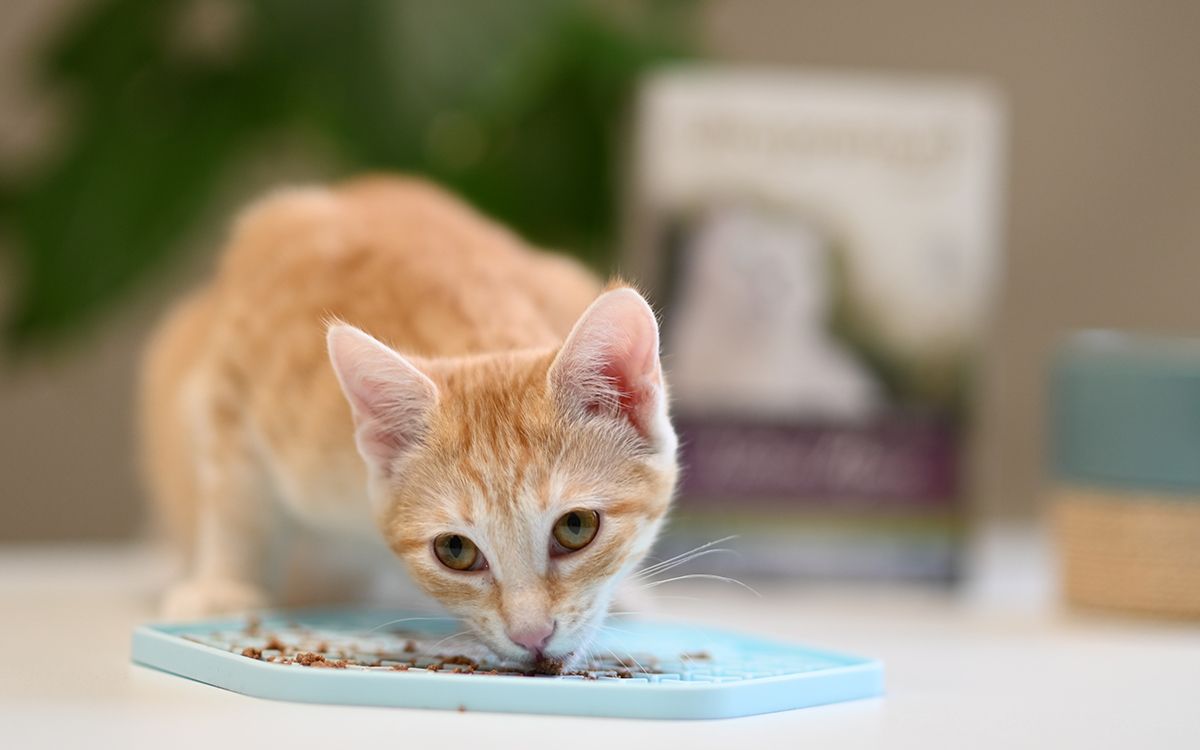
{"points": [[379, 356]]}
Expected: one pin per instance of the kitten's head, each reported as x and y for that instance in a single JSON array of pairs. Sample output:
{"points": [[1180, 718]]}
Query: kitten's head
{"points": [[519, 487]]}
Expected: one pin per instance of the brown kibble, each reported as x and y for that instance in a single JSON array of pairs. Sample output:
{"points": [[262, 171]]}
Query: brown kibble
{"points": [[322, 663], [462, 709], [548, 666], [253, 623], [308, 658], [321, 650], [465, 661], [634, 665]]}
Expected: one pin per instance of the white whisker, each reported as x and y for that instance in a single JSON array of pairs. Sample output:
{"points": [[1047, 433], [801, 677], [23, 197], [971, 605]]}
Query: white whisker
{"points": [[707, 576], [706, 545], [652, 568], [675, 562], [628, 657], [459, 634], [409, 619], [671, 565]]}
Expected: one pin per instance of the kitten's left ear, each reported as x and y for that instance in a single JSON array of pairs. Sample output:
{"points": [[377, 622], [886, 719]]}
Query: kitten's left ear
{"points": [[609, 364], [390, 398]]}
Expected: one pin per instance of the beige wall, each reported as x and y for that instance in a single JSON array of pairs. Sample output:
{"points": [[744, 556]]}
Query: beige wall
{"points": [[1103, 230]]}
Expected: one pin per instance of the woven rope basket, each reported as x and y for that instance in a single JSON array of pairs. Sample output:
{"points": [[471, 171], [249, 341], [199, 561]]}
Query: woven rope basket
{"points": [[1130, 551]]}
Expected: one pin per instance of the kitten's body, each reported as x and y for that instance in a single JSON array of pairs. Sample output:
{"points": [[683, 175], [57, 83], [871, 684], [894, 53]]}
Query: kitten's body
{"points": [[243, 411]]}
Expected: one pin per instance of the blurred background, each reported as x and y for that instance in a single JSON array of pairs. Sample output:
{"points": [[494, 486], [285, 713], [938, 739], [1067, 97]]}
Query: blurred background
{"points": [[130, 130]]}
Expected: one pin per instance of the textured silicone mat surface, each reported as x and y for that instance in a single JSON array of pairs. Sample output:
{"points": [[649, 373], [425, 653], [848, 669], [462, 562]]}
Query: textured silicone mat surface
{"points": [[636, 669]]}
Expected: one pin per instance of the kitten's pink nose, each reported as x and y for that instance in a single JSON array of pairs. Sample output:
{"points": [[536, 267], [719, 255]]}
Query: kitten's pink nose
{"points": [[533, 638]]}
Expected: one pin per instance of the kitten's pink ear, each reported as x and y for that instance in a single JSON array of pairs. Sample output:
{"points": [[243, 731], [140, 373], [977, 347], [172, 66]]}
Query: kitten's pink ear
{"points": [[609, 365], [390, 398]]}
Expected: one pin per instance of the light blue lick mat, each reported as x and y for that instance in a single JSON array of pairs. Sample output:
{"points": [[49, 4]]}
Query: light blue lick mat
{"points": [[371, 658]]}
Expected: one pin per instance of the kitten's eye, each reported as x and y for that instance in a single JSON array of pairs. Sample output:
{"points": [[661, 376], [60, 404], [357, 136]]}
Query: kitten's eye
{"points": [[457, 552], [575, 530]]}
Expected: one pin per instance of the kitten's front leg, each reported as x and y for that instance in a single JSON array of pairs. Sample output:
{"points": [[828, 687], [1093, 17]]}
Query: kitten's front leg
{"points": [[198, 598], [232, 538], [227, 573]]}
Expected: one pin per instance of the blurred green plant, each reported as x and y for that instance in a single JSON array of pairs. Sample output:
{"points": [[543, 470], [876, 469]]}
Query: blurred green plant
{"points": [[515, 105]]}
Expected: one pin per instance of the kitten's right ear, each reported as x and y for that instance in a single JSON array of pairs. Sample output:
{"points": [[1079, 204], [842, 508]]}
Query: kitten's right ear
{"points": [[390, 399], [609, 364]]}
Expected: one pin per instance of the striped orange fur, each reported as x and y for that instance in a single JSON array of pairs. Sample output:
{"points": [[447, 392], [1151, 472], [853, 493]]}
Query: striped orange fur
{"points": [[378, 357]]}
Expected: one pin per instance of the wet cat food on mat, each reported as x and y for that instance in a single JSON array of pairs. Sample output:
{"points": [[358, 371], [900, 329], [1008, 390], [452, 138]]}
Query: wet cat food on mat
{"points": [[398, 650], [641, 669]]}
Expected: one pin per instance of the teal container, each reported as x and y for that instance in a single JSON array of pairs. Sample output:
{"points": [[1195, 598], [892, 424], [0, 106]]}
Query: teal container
{"points": [[1125, 462], [1126, 412]]}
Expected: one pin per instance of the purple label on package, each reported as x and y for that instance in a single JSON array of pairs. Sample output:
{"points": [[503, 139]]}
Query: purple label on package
{"points": [[901, 462]]}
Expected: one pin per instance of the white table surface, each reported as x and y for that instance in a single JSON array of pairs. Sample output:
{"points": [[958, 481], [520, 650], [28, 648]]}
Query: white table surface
{"points": [[996, 665]]}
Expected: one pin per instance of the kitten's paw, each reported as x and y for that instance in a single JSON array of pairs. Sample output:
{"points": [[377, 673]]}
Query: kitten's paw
{"points": [[205, 597]]}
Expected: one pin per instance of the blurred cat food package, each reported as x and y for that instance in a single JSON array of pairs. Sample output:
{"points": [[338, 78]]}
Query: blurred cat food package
{"points": [[824, 249]]}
